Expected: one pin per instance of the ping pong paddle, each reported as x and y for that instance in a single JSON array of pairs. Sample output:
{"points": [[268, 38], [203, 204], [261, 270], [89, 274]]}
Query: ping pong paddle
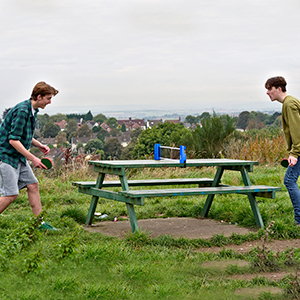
{"points": [[47, 162], [284, 162]]}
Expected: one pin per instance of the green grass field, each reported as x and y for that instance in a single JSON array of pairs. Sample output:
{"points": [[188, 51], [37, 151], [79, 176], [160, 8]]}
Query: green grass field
{"points": [[75, 264]]}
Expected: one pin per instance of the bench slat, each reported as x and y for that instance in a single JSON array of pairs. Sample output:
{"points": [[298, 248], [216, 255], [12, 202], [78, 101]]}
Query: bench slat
{"points": [[149, 182], [265, 191]]}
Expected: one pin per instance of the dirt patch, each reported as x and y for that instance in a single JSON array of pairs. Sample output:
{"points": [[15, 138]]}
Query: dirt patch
{"points": [[275, 276], [177, 227], [223, 264], [203, 228], [190, 228], [275, 246]]}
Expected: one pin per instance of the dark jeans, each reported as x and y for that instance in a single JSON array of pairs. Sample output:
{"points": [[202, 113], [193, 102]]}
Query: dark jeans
{"points": [[290, 181]]}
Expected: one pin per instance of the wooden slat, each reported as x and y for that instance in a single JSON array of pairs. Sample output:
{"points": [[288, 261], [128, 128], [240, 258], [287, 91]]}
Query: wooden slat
{"points": [[149, 182], [267, 191]]}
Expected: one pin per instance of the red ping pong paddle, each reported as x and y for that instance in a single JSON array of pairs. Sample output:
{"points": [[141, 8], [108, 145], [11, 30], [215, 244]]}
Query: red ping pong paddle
{"points": [[284, 162], [47, 162]]}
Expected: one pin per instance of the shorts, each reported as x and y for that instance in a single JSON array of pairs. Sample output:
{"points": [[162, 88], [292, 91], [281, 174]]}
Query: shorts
{"points": [[12, 180]]}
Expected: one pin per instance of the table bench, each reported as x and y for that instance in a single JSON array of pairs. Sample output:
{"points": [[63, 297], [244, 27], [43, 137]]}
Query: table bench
{"points": [[206, 186], [148, 182], [255, 190]]}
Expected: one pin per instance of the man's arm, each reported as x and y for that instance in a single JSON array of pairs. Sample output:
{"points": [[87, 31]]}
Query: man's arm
{"points": [[21, 149]]}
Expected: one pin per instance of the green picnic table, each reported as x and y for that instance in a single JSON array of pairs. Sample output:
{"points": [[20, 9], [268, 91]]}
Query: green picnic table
{"points": [[205, 186]]}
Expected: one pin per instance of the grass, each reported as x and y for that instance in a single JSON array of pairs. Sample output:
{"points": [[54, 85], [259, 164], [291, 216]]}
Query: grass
{"points": [[75, 264]]}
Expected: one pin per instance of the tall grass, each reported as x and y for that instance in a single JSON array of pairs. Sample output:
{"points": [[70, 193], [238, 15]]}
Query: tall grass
{"points": [[268, 151]]}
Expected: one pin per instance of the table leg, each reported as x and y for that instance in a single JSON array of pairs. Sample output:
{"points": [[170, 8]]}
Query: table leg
{"points": [[94, 201], [258, 219], [210, 198], [130, 207], [132, 217]]}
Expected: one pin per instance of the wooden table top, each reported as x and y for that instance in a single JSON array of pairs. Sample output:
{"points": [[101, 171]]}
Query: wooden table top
{"points": [[171, 163]]}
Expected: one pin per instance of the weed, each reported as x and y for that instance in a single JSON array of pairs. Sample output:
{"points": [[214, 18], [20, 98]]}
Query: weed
{"points": [[21, 237], [265, 260], [34, 261], [69, 245], [293, 286]]}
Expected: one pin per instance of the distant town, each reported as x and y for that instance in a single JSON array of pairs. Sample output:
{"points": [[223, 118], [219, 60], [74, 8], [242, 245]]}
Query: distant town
{"points": [[115, 138]]}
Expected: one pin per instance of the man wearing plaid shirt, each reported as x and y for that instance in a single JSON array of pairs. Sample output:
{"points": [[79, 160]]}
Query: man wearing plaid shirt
{"points": [[16, 137]]}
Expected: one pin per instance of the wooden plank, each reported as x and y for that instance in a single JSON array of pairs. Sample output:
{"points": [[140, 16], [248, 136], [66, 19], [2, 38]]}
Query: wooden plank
{"points": [[116, 164], [149, 182], [111, 195], [268, 191]]}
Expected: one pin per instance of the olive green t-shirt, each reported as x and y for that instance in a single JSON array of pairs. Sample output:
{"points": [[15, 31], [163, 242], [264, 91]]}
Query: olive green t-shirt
{"points": [[291, 124]]}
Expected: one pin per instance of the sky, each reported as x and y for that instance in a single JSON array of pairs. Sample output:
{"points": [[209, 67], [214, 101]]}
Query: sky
{"points": [[172, 55]]}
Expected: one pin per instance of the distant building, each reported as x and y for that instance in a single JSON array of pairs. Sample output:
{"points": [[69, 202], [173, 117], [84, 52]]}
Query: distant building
{"points": [[132, 124], [62, 124], [92, 124], [124, 138], [83, 140], [105, 127], [174, 121], [151, 123]]}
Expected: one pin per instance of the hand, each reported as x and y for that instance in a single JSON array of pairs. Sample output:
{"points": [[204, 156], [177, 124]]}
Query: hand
{"points": [[45, 149], [38, 163], [292, 161]]}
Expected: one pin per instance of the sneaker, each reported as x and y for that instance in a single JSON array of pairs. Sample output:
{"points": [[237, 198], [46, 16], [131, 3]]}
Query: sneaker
{"points": [[47, 226]]}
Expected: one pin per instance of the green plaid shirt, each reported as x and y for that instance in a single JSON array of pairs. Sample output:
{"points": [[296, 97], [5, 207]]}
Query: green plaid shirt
{"points": [[19, 124]]}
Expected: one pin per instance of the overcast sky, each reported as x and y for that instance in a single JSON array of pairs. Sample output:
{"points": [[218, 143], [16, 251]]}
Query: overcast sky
{"points": [[105, 55]]}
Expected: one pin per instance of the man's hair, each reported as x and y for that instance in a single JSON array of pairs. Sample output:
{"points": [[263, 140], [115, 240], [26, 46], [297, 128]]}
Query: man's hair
{"points": [[42, 88], [276, 82]]}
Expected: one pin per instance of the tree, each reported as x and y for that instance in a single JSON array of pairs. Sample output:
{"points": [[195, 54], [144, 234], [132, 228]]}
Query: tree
{"points": [[123, 127], [41, 120], [79, 145], [204, 115], [84, 130], [191, 119], [100, 118], [134, 134], [255, 124], [88, 116], [96, 129], [166, 134], [127, 152], [76, 117], [71, 127], [271, 119], [112, 122], [102, 134], [114, 132], [113, 148], [207, 141], [61, 138], [50, 130], [93, 145], [57, 118], [243, 120]]}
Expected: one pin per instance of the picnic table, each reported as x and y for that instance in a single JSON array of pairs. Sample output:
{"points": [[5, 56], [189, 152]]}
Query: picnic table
{"points": [[205, 186]]}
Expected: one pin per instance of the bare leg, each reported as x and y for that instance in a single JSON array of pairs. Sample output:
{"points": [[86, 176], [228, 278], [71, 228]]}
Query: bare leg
{"points": [[34, 198], [6, 201]]}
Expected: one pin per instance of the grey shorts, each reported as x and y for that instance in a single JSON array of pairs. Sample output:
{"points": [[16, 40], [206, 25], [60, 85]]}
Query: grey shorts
{"points": [[12, 180]]}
